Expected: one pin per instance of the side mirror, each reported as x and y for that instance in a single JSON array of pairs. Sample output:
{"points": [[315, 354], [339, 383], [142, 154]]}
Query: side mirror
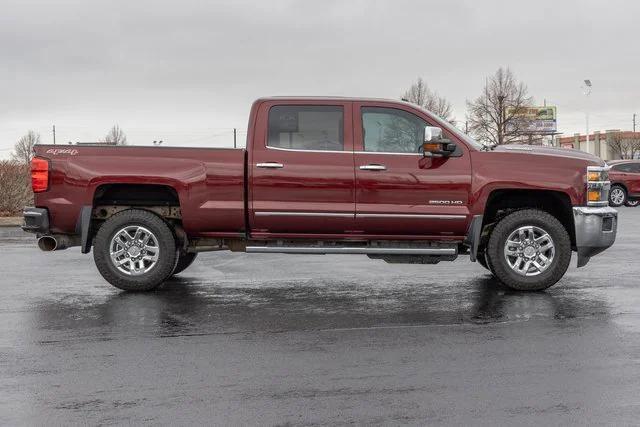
{"points": [[432, 133], [435, 145]]}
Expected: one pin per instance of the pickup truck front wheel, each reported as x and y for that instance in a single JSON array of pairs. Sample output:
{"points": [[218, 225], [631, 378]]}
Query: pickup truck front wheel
{"points": [[529, 250], [482, 259], [135, 250]]}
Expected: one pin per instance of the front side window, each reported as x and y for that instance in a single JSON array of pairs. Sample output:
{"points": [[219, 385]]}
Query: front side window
{"points": [[392, 131], [302, 127]]}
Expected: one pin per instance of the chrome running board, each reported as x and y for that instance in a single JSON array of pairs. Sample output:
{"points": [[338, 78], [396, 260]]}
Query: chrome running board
{"points": [[367, 250]]}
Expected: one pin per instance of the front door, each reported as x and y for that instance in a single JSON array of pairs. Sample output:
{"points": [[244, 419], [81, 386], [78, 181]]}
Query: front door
{"points": [[301, 170], [399, 192]]}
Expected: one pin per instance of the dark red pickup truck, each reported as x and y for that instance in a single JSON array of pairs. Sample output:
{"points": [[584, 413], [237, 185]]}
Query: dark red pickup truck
{"points": [[326, 176]]}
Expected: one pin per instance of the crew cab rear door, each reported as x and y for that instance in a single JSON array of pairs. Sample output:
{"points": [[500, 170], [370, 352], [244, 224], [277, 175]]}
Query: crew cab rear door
{"points": [[398, 190], [301, 176]]}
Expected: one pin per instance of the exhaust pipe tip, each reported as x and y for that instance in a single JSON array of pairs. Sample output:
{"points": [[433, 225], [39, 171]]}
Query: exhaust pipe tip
{"points": [[47, 243]]}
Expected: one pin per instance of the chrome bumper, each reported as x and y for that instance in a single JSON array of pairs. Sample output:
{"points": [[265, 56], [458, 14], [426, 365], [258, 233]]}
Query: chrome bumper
{"points": [[595, 230]]}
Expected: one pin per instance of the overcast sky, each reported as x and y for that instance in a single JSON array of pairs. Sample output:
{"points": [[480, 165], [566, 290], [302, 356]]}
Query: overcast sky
{"points": [[187, 71]]}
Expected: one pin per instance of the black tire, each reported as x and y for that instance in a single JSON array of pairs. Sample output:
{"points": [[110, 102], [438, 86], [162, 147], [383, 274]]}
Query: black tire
{"points": [[481, 259], [617, 189], [632, 203], [164, 265], [184, 261], [497, 261]]}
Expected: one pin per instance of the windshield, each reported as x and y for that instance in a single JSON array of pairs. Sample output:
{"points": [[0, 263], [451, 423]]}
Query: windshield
{"points": [[469, 140]]}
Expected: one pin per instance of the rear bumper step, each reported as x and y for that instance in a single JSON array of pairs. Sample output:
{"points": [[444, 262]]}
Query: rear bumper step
{"points": [[36, 220]]}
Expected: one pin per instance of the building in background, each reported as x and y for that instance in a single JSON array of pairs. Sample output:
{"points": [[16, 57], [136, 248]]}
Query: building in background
{"points": [[612, 144]]}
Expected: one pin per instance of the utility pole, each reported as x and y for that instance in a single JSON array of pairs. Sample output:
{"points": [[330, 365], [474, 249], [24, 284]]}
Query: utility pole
{"points": [[54, 134], [234, 138], [587, 92], [634, 122]]}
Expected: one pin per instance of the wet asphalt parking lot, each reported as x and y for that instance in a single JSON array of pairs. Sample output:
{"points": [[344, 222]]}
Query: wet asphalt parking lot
{"points": [[315, 340]]}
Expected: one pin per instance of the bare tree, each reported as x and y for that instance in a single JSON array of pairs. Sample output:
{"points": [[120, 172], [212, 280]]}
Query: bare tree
{"points": [[492, 116], [420, 94], [15, 180], [624, 144], [23, 149], [115, 136]]}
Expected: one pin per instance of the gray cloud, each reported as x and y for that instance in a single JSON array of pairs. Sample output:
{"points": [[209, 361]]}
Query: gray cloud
{"points": [[185, 71]]}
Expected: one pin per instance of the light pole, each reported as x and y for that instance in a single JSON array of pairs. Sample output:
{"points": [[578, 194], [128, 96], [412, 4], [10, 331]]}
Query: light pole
{"points": [[587, 92]]}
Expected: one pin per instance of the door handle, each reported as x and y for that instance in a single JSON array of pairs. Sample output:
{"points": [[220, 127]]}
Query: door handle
{"points": [[270, 165], [373, 167]]}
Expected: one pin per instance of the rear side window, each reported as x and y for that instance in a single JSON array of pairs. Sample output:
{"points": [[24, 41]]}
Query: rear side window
{"points": [[301, 127]]}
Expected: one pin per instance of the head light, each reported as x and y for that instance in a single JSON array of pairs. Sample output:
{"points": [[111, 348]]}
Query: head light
{"points": [[598, 185]]}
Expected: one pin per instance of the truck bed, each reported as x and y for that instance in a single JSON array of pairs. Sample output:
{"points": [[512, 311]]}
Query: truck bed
{"points": [[209, 182]]}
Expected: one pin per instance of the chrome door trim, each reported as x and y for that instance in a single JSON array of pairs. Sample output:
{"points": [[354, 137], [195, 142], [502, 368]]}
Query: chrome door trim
{"points": [[270, 165], [307, 151], [359, 215], [425, 216], [313, 214], [388, 153]]}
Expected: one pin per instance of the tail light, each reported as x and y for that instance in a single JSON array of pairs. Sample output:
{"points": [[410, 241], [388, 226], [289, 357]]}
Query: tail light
{"points": [[39, 174]]}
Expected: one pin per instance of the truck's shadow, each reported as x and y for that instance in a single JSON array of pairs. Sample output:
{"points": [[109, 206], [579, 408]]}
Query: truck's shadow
{"points": [[188, 306]]}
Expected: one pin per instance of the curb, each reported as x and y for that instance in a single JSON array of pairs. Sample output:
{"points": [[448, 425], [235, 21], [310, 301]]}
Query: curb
{"points": [[10, 221]]}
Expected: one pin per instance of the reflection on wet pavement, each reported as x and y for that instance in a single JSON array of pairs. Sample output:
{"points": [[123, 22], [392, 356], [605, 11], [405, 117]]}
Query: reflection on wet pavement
{"points": [[190, 306]]}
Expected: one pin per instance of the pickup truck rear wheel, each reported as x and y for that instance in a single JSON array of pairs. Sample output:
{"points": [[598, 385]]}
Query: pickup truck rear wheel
{"points": [[135, 250], [529, 250], [184, 261]]}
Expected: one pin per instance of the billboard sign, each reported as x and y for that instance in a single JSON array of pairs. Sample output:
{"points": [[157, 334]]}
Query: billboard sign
{"points": [[532, 120]]}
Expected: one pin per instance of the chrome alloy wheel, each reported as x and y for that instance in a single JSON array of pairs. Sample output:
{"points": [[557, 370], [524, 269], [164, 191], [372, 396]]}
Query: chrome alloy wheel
{"points": [[529, 250], [134, 250], [617, 195]]}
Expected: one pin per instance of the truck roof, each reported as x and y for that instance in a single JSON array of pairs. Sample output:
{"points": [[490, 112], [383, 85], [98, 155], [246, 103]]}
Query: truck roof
{"points": [[335, 98]]}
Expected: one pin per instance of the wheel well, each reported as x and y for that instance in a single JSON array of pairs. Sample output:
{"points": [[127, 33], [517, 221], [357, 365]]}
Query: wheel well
{"points": [[110, 199], [162, 200], [135, 195], [556, 203]]}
